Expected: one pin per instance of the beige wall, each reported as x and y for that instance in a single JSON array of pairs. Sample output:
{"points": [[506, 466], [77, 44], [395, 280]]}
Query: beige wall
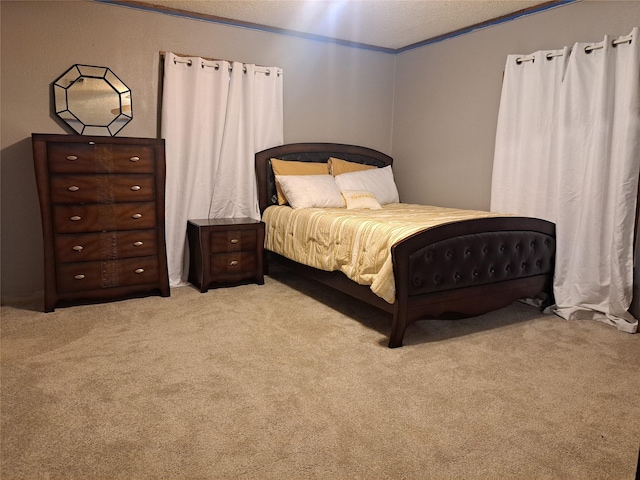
{"points": [[438, 103], [332, 93], [447, 97]]}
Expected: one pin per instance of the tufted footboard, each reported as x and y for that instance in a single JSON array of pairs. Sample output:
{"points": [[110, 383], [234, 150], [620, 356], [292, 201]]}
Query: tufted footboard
{"points": [[470, 268]]}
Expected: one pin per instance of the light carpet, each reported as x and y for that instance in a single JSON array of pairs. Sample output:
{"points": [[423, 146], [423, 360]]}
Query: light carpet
{"points": [[291, 380]]}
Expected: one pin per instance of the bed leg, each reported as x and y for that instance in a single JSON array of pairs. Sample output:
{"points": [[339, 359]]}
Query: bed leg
{"points": [[548, 300], [265, 263], [395, 341], [398, 328]]}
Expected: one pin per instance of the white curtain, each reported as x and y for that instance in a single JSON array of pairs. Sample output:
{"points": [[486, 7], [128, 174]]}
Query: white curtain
{"points": [[215, 116], [568, 150], [525, 137]]}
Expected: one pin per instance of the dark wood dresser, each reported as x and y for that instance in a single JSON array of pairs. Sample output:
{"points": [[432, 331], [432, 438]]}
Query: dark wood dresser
{"points": [[224, 251], [102, 205]]}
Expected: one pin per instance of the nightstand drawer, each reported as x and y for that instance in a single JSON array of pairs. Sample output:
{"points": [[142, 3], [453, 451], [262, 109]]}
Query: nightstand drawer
{"points": [[233, 263], [77, 277], [233, 241]]}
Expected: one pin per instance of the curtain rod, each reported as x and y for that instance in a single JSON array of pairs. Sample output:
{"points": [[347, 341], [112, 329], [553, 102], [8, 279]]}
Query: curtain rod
{"points": [[613, 44], [587, 49], [181, 59]]}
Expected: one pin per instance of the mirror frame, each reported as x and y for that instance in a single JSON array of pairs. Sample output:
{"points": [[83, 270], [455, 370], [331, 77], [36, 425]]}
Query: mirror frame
{"points": [[83, 113]]}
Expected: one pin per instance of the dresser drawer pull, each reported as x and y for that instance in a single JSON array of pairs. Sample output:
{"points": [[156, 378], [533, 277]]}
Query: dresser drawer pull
{"points": [[135, 188], [73, 188], [234, 240], [75, 218], [78, 248], [233, 263], [139, 270], [136, 215], [79, 277], [134, 159], [72, 158], [137, 244]]}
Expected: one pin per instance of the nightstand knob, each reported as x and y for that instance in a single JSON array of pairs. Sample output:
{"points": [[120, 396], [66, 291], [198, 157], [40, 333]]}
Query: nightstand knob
{"points": [[136, 215], [233, 263], [139, 270], [135, 188], [78, 248], [72, 158], [75, 218], [137, 244], [134, 159], [79, 277], [234, 240], [73, 188]]}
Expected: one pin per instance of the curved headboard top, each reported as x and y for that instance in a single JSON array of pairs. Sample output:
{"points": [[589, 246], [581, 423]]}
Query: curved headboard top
{"points": [[308, 152]]}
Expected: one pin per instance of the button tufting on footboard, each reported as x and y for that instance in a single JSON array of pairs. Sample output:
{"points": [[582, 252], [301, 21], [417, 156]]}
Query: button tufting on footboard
{"points": [[475, 259]]}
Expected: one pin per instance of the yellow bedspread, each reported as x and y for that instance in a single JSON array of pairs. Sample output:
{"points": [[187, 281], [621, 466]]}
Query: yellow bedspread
{"points": [[355, 242]]}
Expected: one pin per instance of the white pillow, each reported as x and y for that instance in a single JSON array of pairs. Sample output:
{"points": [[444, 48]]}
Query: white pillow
{"points": [[308, 191], [360, 199], [379, 181]]}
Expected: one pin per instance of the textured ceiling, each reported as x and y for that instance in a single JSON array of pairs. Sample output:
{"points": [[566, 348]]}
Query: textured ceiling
{"points": [[387, 24]]}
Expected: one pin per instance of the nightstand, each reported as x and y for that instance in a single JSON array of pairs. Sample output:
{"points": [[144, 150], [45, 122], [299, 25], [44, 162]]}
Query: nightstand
{"points": [[225, 251]]}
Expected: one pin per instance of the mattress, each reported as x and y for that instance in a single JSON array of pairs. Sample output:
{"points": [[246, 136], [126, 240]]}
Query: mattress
{"points": [[355, 242]]}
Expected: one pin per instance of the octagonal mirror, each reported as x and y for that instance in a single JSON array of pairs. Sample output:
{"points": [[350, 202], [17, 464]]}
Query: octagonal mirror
{"points": [[92, 100]]}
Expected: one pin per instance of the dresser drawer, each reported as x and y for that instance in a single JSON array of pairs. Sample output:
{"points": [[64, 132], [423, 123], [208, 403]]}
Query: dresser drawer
{"points": [[233, 241], [103, 217], [102, 188], [86, 158], [85, 247], [232, 264], [77, 277]]}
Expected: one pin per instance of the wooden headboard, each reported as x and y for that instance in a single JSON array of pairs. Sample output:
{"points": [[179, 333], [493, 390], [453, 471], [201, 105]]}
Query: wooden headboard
{"points": [[308, 152]]}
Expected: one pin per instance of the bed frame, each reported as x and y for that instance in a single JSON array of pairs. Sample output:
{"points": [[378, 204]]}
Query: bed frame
{"points": [[456, 270]]}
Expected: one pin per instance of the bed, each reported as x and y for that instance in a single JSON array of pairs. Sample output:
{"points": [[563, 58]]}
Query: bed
{"points": [[456, 269]]}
